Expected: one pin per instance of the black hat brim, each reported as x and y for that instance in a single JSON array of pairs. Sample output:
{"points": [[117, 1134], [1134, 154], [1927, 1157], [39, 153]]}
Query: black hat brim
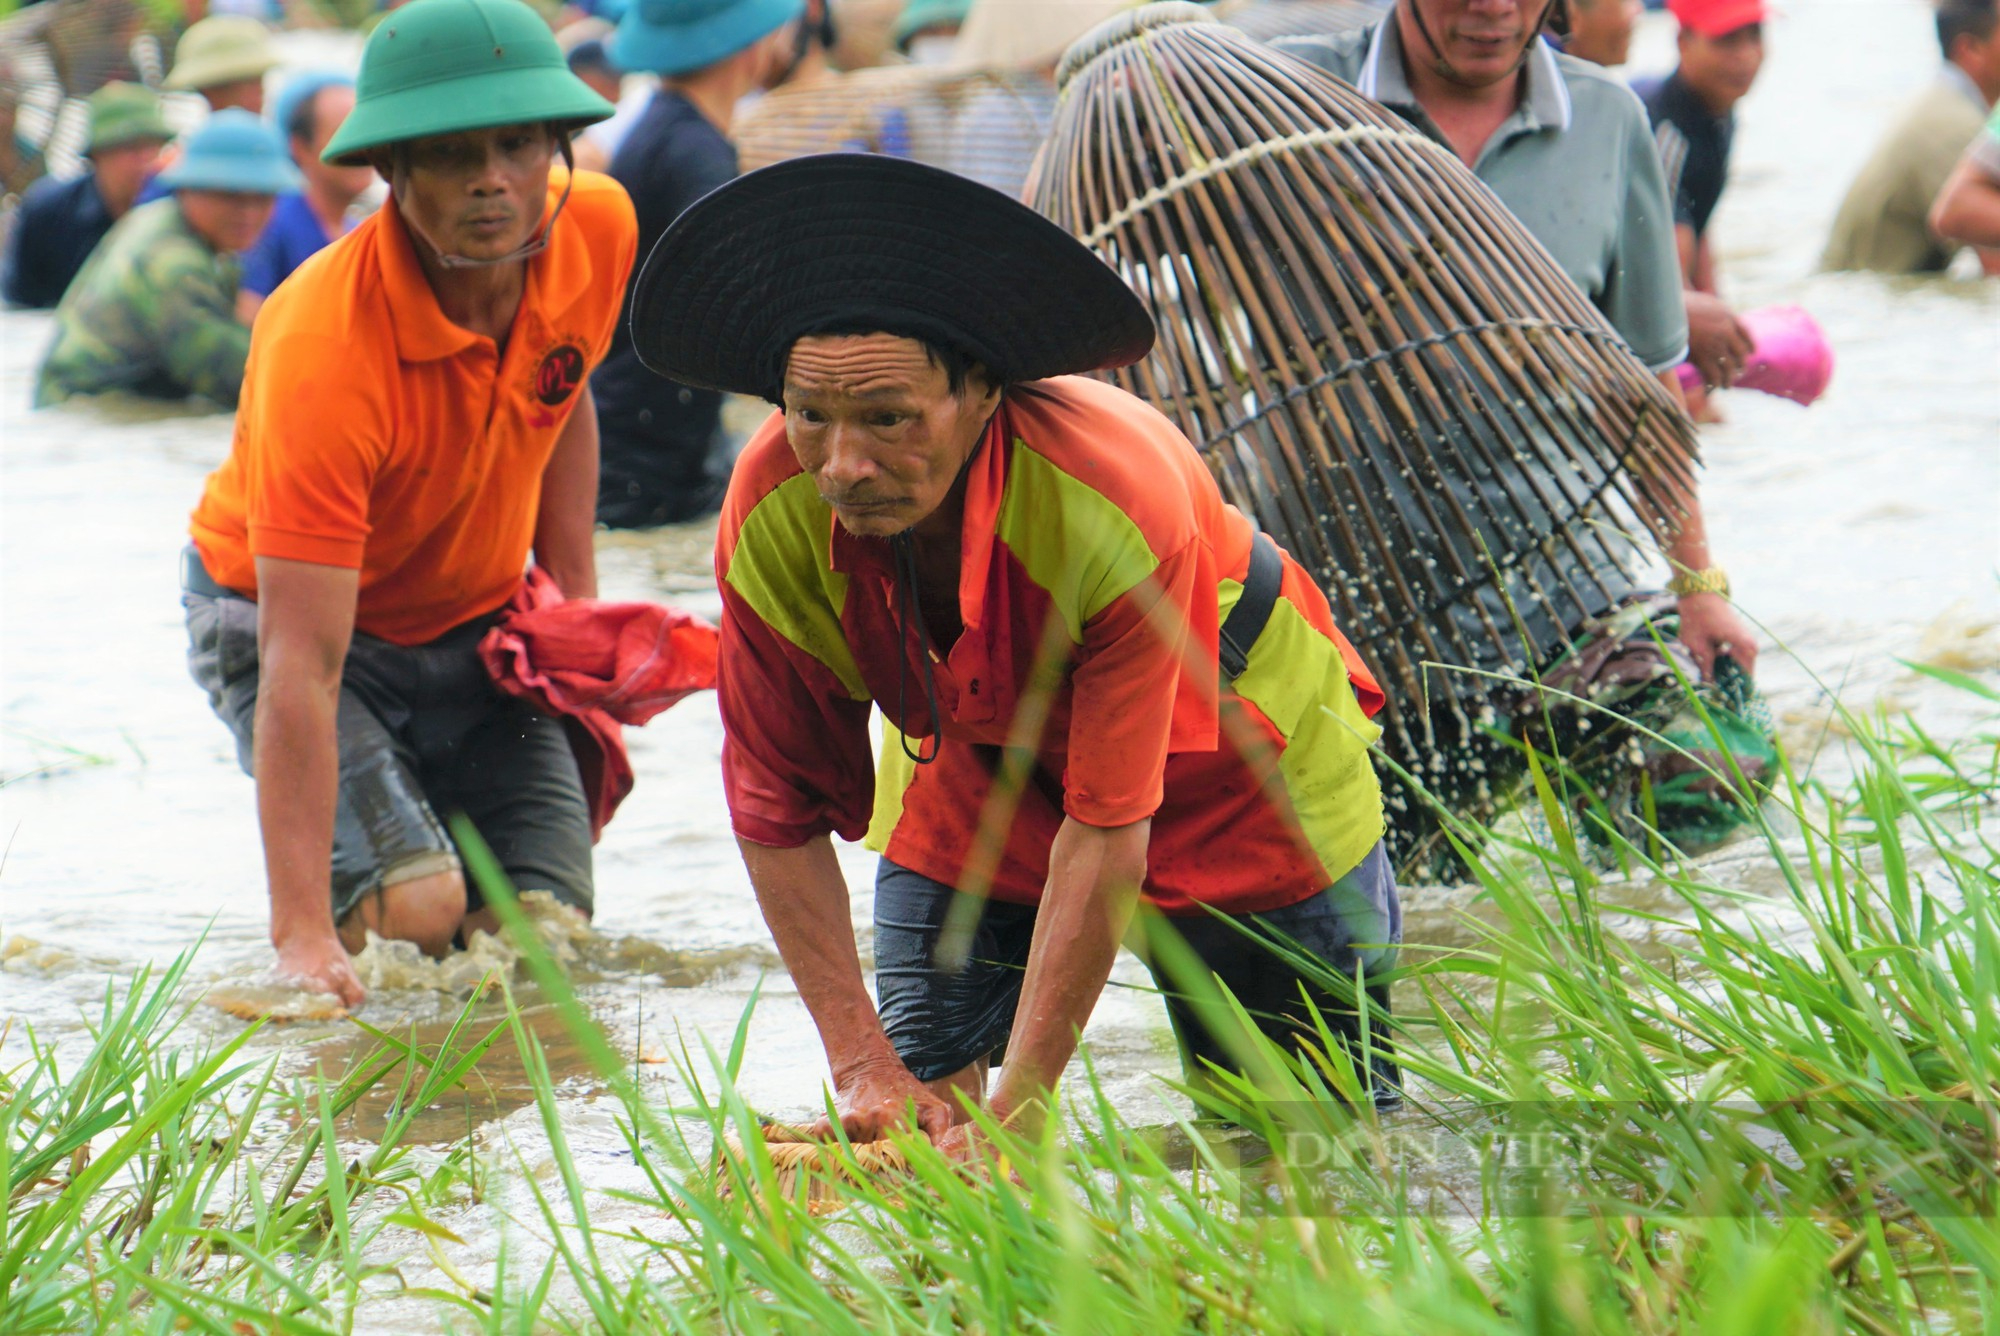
{"points": [[861, 240]]}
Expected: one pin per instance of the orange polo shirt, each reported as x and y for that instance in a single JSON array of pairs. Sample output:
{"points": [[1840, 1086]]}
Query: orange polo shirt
{"points": [[376, 435]]}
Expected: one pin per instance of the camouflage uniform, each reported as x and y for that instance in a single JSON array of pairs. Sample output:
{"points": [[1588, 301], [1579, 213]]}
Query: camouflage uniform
{"points": [[152, 313]]}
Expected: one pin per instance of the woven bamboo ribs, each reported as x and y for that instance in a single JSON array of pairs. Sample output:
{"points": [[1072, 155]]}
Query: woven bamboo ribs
{"points": [[1376, 359], [1266, 19], [985, 124]]}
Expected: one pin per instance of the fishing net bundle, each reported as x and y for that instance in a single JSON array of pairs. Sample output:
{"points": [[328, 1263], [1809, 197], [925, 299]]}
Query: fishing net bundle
{"points": [[982, 123], [800, 1161], [1377, 360]]}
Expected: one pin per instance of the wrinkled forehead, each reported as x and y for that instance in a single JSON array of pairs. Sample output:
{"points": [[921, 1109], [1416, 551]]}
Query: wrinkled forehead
{"points": [[860, 366]]}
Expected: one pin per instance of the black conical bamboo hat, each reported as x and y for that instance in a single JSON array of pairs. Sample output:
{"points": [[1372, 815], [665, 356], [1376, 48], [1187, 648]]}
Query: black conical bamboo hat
{"points": [[857, 238]]}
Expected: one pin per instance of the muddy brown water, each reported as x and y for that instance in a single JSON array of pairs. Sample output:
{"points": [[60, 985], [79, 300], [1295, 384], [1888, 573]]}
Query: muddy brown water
{"points": [[1859, 532]]}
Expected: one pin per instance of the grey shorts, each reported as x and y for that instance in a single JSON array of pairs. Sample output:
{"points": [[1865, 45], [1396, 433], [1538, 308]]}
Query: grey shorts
{"points": [[943, 1020], [423, 733]]}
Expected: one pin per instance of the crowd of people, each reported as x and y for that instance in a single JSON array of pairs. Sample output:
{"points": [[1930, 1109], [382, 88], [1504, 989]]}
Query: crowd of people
{"points": [[449, 363], [681, 73]]}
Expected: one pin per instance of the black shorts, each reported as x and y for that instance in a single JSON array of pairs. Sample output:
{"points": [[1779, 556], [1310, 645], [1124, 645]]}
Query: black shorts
{"points": [[423, 732], [943, 1020]]}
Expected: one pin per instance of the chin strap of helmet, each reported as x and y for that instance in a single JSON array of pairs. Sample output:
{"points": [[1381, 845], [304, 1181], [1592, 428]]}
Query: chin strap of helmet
{"points": [[534, 246], [1442, 66]]}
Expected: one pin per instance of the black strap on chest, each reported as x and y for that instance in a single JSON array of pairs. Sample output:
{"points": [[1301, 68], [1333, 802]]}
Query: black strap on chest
{"points": [[1246, 621]]}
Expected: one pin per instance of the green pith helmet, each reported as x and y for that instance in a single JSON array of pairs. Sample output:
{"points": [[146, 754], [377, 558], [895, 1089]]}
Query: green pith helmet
{"points": [[123, 113], [221, 49], [436, 67]]}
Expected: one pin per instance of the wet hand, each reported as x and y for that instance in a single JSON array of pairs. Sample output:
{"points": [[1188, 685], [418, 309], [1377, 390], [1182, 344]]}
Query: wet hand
{"points": [[321, 965], [882, 1095], [967, 1143], [1718, 344], [1710, 625]]}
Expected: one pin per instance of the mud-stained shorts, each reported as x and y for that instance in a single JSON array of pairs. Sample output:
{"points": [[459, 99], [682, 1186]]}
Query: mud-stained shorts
{"points": [[941, 1020], [423, 733]]}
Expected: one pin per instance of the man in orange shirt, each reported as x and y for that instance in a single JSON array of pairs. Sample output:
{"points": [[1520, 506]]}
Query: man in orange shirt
{"points": [[416, 421], [1102, 684]]}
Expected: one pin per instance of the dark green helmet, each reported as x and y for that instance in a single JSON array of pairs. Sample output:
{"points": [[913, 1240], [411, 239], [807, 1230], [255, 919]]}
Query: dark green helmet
{"points": [[437, 67]]}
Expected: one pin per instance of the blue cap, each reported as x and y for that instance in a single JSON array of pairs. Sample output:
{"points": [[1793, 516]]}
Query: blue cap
{"points": [[233, 151], [298, 91], [679, 36]]}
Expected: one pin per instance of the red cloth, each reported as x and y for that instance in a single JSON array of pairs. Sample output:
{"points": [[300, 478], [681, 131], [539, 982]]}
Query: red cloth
{"points": [[596, 666]]}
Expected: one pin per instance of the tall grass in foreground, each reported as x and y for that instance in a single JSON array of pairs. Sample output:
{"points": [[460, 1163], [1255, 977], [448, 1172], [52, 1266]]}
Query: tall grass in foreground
{"points": [[1728, 1128]]}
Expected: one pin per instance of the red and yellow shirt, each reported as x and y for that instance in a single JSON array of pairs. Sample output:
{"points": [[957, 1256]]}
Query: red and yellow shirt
{"points": [[377, 435], [1099, 559]]}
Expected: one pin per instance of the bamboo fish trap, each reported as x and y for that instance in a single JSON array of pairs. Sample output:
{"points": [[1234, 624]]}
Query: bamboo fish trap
{"points": [[1376, 359], [982, 123], [57, 53], [1266, 19]]}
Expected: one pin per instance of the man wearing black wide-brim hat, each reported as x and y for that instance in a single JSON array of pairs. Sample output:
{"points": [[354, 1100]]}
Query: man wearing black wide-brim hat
{"points": [[1101, 684]]}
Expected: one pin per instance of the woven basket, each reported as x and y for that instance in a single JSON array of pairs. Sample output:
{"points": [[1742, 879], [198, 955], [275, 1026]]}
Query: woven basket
{"points": [[1376, 359], [981, 123], [59, 52]]}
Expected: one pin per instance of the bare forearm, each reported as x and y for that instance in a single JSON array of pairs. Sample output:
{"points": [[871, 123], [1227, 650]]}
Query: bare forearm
{"points": [[1968, 208], [297, 758], [1704, 268], [567, 521], [1689, 550], [1094, 880], [804, 900]]}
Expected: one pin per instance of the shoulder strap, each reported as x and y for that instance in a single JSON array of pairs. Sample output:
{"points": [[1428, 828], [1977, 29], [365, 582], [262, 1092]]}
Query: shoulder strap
{"points": [[1247, 619]]}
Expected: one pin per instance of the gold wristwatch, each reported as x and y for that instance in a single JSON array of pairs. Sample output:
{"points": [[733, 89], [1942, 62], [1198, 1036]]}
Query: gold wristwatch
{"points": [[1713, 580]]}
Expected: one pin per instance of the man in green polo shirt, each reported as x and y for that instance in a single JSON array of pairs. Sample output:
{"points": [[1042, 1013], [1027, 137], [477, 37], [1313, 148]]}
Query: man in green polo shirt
{"points": [[1569, 151]]}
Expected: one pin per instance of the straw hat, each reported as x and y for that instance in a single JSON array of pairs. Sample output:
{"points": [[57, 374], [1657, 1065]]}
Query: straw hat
{"points": [[859, 237], [221, 49], [123, 113], [1027, 34], [436, 67], [233, 151]]}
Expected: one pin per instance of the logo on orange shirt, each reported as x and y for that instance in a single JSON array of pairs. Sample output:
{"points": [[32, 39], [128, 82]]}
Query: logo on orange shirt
{"points": [[560, 371]]}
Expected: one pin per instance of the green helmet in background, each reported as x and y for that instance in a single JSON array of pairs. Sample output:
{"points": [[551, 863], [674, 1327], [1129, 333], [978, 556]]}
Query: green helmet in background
{"points": [[437, 67]]}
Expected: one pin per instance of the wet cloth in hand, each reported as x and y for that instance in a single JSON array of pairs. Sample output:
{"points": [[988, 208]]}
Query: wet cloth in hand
{"points": [[597, 665]]}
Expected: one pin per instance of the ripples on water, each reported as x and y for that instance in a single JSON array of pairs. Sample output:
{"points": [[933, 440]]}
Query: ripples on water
{"points": [[1858, 531]]}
